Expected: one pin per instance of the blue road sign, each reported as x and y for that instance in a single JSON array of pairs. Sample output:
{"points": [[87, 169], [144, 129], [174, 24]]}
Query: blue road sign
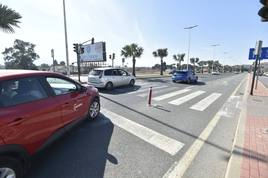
{"points": [[263, 56]]}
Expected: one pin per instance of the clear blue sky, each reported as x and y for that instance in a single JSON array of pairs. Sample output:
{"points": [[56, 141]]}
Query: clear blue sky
{"points": [[153, 24]]}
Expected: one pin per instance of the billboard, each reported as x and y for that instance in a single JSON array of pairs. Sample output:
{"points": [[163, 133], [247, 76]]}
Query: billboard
{"points": [[94, 52]]}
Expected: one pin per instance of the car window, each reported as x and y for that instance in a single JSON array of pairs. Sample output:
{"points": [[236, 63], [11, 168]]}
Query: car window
{"points": [[108, 72], [181, 72], [122, 73], [95, 72], [114, 73], [21, 91], [61, 86]]}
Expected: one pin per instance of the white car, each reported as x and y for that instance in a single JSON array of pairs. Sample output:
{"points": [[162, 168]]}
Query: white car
{"points": [[215, 73], [109, 78]]}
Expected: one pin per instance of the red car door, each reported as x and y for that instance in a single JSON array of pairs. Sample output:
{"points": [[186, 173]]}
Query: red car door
{"points": [[74, 102], [30, 116]]}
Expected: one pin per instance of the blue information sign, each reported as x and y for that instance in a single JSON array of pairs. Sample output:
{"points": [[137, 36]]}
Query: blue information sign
{"points": [[263, 56]]}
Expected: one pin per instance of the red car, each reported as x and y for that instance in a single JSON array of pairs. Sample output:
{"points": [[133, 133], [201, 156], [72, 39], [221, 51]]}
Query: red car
{"points": [[34, 108]]}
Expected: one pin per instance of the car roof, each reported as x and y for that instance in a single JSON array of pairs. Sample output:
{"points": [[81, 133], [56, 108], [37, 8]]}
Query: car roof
{"points": [[11, 73], [106, 68]]}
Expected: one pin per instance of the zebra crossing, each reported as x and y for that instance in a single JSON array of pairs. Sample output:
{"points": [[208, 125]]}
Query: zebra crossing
{"points": [[176, 97]]}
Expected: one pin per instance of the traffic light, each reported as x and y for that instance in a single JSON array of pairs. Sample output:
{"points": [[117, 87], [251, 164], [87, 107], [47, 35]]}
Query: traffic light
{"points": [[263, 12], [113, 56], [75, 47], [110, 56], [92, 41]]}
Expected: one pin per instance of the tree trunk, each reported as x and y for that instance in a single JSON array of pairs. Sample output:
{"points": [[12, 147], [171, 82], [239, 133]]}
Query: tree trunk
{"points": [[180, 65], [161, 70], [133, 66], [194, 67]]}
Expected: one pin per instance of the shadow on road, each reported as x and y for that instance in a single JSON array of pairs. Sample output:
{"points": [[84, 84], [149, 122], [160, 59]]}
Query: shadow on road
{"points": [[246, 153], [120, 90], [197, 83], [81, 152]]}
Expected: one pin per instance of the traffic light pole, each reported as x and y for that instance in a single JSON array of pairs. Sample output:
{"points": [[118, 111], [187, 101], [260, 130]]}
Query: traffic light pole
{"points": [[78, 66]]}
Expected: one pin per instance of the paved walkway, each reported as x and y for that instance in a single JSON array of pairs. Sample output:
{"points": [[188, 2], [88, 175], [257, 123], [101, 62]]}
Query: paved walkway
{"points": [[250, 154]]}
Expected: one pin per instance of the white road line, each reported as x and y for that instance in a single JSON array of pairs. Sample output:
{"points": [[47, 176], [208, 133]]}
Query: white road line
{"points": [[186, 98], [158, 140], [204, 103], [154, 92], [169, 95], [147, 89], [178, 169], [143, 84]]}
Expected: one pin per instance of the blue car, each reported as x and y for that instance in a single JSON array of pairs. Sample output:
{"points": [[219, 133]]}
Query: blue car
{"points": [[184, 76]]}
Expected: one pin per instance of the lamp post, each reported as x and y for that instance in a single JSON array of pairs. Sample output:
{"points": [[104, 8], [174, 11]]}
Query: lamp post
{"points": [[189, 42], [66, 40], [213, 55]]}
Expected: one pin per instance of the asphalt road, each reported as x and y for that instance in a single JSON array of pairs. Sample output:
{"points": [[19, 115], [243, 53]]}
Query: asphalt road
{"points": [[189, 129]]}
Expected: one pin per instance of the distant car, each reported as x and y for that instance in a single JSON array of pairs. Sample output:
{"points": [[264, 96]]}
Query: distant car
{"points": [[184, 76], [265, 74], [236, 72], [35, 107], [215, 73], [109, 78]]}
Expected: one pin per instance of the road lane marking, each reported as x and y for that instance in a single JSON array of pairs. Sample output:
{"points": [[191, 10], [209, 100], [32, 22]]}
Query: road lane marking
{"points": [[158, 140], [147, 89], [169, 95], [186, 98], [178, 169], [204, 103]]}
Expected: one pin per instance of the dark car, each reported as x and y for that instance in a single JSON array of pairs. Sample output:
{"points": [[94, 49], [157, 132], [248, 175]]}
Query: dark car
{"points": [[34, 107], [184, 76]]}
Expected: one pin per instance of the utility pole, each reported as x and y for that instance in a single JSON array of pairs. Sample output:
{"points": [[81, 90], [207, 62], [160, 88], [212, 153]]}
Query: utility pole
{"points": [[213, 54], [66, 40]]}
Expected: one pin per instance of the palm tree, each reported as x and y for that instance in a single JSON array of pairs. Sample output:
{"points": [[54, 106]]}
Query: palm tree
{"points": [[179, 58], [161, 53], [201, 64], [134, 51], [217, 65], [193, 61], [8, 19], [210, 65]]}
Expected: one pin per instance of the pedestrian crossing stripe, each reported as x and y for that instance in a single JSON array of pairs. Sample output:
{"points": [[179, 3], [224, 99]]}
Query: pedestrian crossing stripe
{"points": [[204, 103], [169, 95], [146, 89], [186, 98]]}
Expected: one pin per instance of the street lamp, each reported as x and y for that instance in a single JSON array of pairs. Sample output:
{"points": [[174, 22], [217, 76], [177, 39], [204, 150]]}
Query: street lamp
{"points": [[213, 55], [189, 42]]}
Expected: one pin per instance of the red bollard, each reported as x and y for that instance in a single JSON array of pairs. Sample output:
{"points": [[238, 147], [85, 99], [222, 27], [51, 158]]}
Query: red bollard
{"points": [[150, 97]]}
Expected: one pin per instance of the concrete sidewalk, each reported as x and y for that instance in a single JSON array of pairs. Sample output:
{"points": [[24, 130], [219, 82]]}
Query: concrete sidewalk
{"points": [[249, 157]]}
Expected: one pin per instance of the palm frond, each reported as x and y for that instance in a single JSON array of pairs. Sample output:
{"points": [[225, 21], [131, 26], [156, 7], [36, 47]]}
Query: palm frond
{"points": [[8, 19]]}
